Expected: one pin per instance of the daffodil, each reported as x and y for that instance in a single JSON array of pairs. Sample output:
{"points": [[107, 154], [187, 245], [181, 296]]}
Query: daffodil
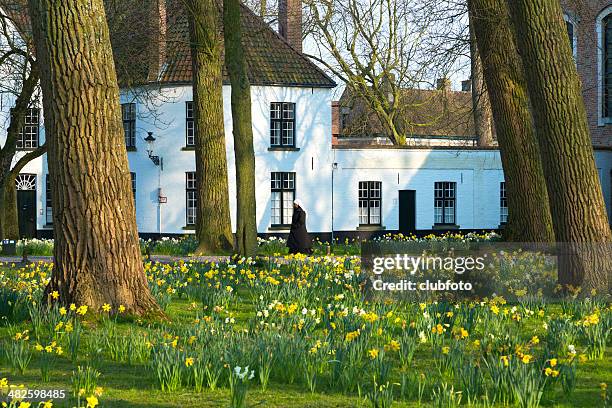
{"points": [[92, 401]]}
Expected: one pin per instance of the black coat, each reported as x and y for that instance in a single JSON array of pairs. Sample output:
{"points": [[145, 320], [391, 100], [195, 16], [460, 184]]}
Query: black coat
{"points": [[299, 241]]}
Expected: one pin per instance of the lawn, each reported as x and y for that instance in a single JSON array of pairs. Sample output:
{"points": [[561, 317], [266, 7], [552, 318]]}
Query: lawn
{"points": [[311, 339]]}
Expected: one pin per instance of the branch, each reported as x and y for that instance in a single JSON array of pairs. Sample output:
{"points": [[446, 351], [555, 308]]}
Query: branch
{"points": [[28, 157]]}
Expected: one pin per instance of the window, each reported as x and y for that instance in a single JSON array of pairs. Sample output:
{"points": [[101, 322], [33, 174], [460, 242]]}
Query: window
{"points": [[283, 194], [607, 67], [133, 178], [571, 33], [370, 202], [282, 124], [190, 136], [48, 202], [503, 203], [28, 136], [444, 202], [192, 197], [128, 112]]}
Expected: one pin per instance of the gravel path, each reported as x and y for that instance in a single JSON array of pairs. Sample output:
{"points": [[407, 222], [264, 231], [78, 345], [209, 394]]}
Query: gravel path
{"points": [[156, 258]]}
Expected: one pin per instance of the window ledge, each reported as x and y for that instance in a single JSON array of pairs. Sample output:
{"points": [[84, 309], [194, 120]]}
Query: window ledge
{"points": [[48, 226], [131, 149], [283, 149], [189, 228], [277, 228], [371, 228], [26, 149], [604, 122], [445, 227], [188, 148]]}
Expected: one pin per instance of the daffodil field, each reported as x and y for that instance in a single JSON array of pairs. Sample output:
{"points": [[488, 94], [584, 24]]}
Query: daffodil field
{"points": [[295, 331]]}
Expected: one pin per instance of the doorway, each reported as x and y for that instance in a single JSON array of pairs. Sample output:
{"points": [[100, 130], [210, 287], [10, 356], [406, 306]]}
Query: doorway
{"points": [[26, 205], [407, 211]]}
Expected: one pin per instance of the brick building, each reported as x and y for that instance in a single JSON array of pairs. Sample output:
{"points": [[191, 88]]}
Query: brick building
{"points": [[590, 27]]}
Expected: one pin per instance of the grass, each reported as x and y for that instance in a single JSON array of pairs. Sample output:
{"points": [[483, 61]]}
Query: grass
{"points": [[233, 329], [131, 386]]}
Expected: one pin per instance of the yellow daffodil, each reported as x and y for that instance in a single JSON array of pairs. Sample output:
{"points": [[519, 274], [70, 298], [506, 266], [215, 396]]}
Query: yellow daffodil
{"points": [[92, 401]]}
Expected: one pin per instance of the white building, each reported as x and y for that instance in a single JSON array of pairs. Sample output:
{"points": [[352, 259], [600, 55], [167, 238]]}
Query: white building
{"points": [[344, 188]]}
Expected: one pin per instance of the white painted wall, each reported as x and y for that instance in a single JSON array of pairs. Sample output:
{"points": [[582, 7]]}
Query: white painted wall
{"points": [[312, 163], [476, 172]]}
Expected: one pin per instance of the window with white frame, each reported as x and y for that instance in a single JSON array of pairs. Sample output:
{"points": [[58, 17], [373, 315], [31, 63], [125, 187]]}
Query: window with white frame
{"points": [[283, 194], [370, 200], [445, 202], [572, 34], [192, 197], [190, 125], [28, 136], [282, 124], [128, 112], [607, 66], [503, 203], [48, 202]]}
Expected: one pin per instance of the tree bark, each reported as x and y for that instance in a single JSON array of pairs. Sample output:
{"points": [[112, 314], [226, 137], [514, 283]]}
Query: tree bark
{"points": [[97, 257], [481, 106], [246, 228], [529, 218], [213, 222], [576, 199]]}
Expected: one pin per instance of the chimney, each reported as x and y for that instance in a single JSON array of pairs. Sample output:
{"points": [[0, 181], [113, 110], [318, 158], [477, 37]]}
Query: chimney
{"points": [[335, 122], [443, 83], [157, 53], [290, 22]]}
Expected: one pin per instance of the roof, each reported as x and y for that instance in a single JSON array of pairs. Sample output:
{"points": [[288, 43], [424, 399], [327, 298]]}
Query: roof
{"points": [[423, 113], [270, 59]]}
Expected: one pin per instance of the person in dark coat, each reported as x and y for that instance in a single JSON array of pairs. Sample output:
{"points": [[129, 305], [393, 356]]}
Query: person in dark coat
{"points": [[299, 241]]}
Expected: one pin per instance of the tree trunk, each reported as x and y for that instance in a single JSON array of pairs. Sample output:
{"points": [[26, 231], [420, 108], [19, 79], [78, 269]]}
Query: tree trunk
{"points": [[529, 218], [576, 199], [481, 106], [9, 227], [213, 222], [246, 228], [8, 208], [97, 257]]}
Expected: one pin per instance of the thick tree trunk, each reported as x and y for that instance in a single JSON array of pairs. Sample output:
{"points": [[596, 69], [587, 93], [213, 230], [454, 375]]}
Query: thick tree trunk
{"points": [[481, 106], [246, 228], [213, 222], [529, 218], [576, 199], [97, 257]]}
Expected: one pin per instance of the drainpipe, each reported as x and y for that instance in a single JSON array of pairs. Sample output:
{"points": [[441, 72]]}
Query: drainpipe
{"points": [[334, 168]]}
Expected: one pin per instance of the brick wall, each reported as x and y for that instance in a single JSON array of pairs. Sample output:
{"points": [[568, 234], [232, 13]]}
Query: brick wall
{"points": [[584, 16]]}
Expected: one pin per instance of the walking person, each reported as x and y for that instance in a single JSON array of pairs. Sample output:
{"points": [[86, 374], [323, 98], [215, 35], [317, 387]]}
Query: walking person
{"points": [[299, 241]]}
